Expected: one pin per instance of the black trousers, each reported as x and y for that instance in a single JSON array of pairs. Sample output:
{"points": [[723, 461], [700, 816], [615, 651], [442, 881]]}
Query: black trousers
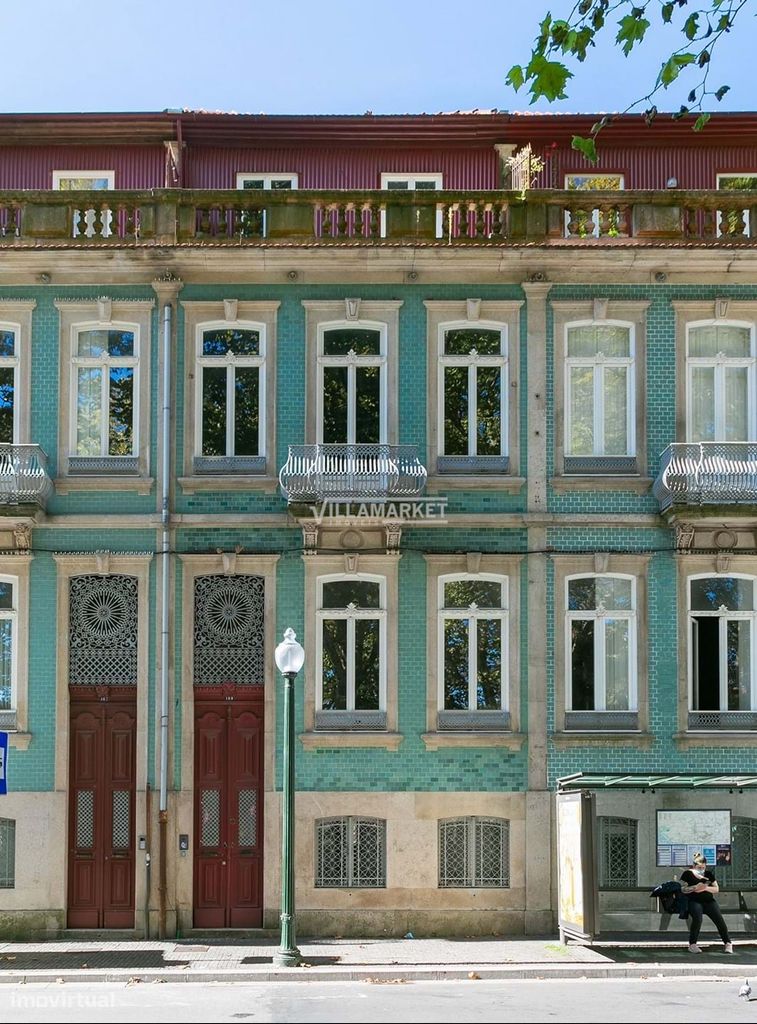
{"points": [[712, 910]]}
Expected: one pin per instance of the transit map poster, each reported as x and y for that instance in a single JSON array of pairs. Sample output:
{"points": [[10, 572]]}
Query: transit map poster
{"points": [[681, 834]]}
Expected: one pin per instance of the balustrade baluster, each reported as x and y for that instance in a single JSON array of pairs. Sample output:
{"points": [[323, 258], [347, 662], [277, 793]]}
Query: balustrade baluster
{"points": [[341, 220], [708, 223], [204, 215], [691, 222], [479, 226]]}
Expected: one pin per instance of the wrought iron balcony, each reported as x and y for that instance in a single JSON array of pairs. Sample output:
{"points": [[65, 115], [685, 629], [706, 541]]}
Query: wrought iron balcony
{"points": [[707, 473], [351, 472], [24, 479]]}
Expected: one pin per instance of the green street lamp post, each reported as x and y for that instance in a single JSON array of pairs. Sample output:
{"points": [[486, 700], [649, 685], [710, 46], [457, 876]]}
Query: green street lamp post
{"points": [[290, 658]]}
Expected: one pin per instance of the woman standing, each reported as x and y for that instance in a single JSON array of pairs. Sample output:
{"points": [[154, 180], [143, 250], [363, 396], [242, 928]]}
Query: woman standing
{"points": [[699, 885]]}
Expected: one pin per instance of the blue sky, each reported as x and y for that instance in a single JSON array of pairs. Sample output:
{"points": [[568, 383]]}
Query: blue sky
{"points": [[332, 56]]}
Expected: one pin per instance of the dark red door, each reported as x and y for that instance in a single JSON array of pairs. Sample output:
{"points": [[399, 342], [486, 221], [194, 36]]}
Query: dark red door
{"points": [[228, 827], [101, 815]]}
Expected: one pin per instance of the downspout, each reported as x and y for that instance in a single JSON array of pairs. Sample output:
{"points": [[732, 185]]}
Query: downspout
{"points": [[165, 548]]}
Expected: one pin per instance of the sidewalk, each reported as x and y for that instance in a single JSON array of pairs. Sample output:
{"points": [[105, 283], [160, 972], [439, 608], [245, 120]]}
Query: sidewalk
{"points": [[372, 960]]}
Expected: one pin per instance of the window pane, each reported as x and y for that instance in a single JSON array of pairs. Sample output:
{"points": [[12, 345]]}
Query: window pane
{"points": [[221, 340], [594, 182], [335, 404], [582, 594], [456, 664], [582, 341], [93, 344], [581, 440], [455, 868], [367, 663], [736, 403], [722, 591], [121, 412], [421, 184], [614, 594], [7, 381], [361, 593], [280, 183], [616, 665], [616, 410], [582, 664], [464, 593], [705, 637], [368, 405], [246, 410], [456, 410], [89, 411], [739, 665], [465, 340], [489, 425], [214, 410], [6, 663], [332, 853], [397, 185], [343, 340], [613, 341], [7, 343], [334, 664], [6, 595], [256, 183], [489, 664], [711, 340], [737, 181], [702, 403]]}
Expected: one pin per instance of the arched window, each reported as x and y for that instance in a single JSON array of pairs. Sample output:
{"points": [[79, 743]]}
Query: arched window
{"points": [[9, 383], [352, 383], [720, 382], [474, 853], [350, 853], [8, 645]]}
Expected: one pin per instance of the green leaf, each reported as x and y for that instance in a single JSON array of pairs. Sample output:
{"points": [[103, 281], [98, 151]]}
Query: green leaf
{"points": [[548, 78], [515, 77], [672, 67], [631, 32], [544, 33], [584, 39], [667, 12], [701, 121], [691, 26], [586, 146]]}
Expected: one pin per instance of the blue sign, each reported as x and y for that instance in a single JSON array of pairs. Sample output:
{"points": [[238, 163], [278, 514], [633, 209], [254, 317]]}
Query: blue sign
{"points": [[3, 763]]}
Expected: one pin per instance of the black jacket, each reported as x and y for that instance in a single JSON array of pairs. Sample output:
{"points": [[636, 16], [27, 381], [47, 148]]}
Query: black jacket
{"points": [[672, 898]]}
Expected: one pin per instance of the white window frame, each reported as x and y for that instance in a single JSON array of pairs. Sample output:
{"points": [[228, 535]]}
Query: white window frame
{"points": [[352, 615], [230, 361], [720, 363], [352, 362], [593, 176], [597, 616], [411, 179], [11, 615], [724, 617], [267, 177], [598, 365], [14, 362], [473, 362], [473, 614], [105, 363], [109, 177]]}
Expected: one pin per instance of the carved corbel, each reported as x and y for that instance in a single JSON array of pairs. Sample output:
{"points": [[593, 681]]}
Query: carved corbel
{"points": [[473, 309], [473, 561], [22, 537], [310, 538], [601, 561], [393, 532], [600, 309], [684, 536], [104, 309], [102, 558], [230, 309]]}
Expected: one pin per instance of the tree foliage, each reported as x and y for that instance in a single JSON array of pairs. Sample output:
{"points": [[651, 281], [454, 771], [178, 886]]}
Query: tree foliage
{"points": [[700, 29]]}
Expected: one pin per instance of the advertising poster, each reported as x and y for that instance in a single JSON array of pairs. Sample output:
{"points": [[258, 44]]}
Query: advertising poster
{"points": [[681, 834], [577, 893]]}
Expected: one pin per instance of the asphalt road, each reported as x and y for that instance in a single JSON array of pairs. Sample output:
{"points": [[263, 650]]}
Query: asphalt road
{"points": [[666, 1001]]}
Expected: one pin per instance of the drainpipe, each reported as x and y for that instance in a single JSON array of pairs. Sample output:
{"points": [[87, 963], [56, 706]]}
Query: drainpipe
{"points": [[165, 547]]}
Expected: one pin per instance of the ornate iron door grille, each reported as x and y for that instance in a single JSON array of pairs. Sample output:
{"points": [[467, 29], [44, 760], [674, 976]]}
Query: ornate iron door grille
{"points": [[228, 630], [103, 631]]}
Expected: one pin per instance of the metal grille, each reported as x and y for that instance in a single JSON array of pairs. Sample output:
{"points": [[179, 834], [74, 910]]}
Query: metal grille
{"points": [[473, 464], [210, 813], [121, 819], [8, 721], [7, 853], [248, 817], [742, 872], [341, 472], [351, 720], [103, 631], [85, 819], [473, 721], [602, 721], [229, 630], [230, 464], [350, 853], [474, 852], [728, 720], [618, 860], [600, 464]]}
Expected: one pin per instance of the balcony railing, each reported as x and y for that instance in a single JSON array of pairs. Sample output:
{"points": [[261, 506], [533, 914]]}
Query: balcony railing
{"points": [[24, 479], [707, 473], [448, 217], [732, 721], [351, 472]]}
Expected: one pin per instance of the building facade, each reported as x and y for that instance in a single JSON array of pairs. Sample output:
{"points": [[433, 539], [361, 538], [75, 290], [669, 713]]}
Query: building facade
{"points": [[490, 451]]}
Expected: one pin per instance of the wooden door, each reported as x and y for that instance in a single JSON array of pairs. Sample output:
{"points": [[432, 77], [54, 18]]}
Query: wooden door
{"points": [[228, 827], [101, 862]]}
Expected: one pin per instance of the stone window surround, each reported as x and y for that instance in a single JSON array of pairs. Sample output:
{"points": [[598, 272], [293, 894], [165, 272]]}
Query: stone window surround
{"points": [[232, 312], [599, 564], [696, 565], [337, 565], [104, 313], [338, 313], [441, 315], [17, 568], [564, 314], [719, 311], [498, 565], [16, 315]]}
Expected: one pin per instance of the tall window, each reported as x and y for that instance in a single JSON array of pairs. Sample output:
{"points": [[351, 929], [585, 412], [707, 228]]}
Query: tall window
{"points": [[350, 853], [473, 643], [473, 387], [618, 852], [352, 385], [8, 643], [352, 643], [720, 380], [474, 852], [9, 408], [599, 385], [231, 394], [7, 853], [105, 392], [722, 614], [601, 624]]}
